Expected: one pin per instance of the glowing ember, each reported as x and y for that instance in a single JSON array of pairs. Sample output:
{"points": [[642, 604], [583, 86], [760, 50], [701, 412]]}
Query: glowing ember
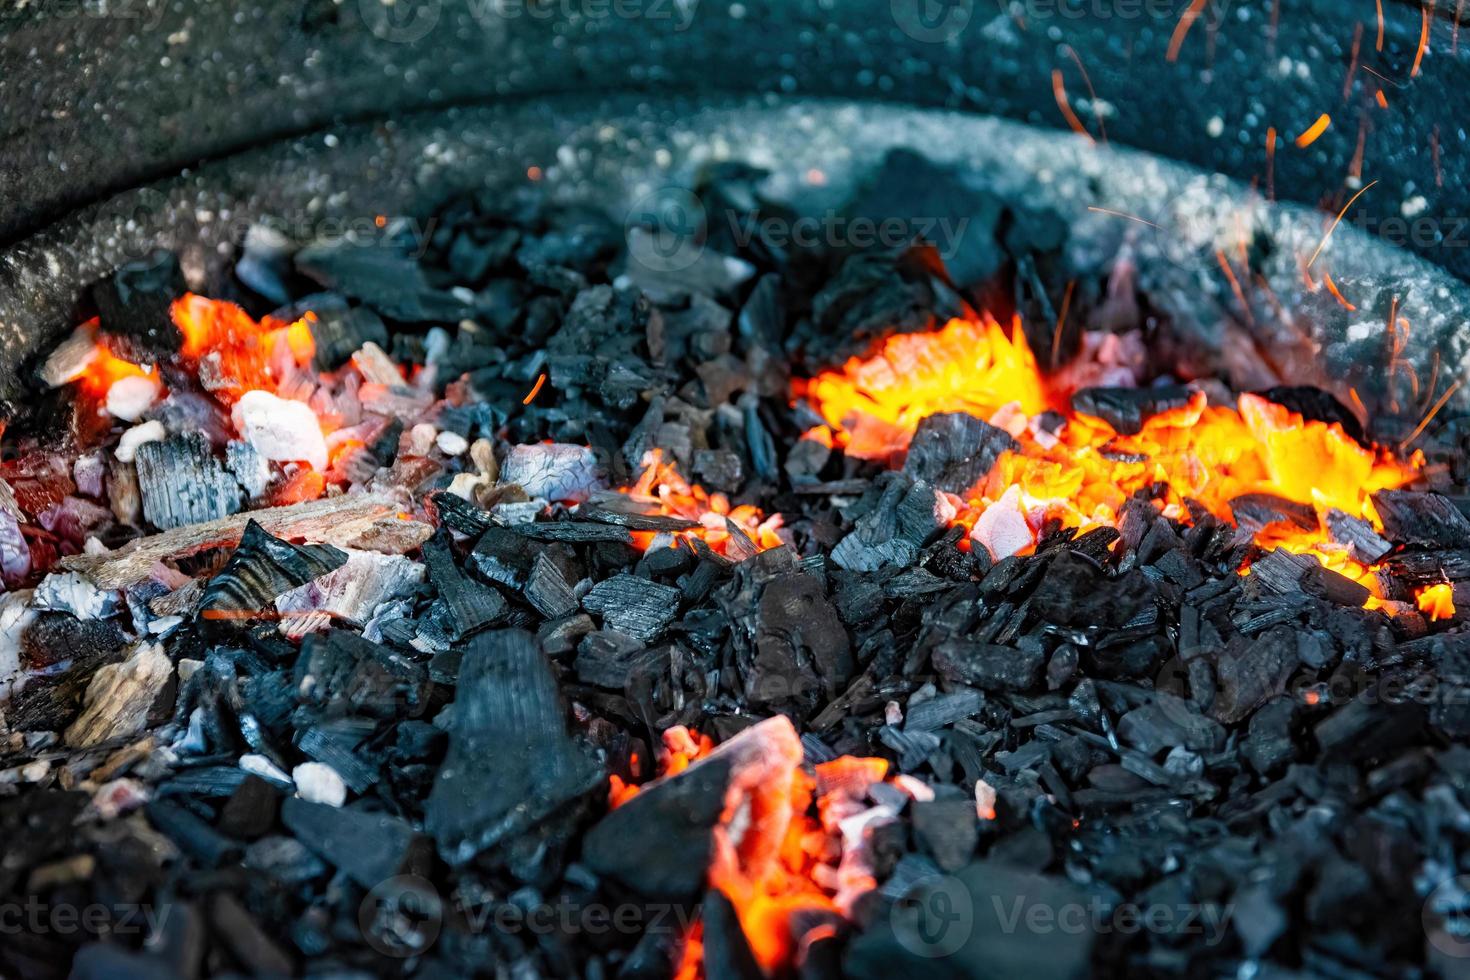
{"points": [[666, 493], [234, 353], [1437, 601], [789, 848], [1084, 473]]}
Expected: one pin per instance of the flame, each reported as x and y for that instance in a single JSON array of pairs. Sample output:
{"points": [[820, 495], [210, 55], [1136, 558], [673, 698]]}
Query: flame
{"points": [[782, 849], [1083, 474], [1437, 601], [666, 493], [233, 352]]}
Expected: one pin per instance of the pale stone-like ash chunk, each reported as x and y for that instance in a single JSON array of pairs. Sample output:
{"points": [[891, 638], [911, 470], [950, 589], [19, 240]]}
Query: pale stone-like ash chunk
{"points": [[130, 397], [279, 429], [1002, 529], [317, 782], [355, 590], [127, 446], [554, 470], [72, 593], [118, 698]]}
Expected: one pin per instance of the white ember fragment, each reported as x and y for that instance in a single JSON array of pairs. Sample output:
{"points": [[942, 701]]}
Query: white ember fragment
{"points": [[463, 485], [421, 439], [130, 397], [16, 615], [452, 443], [259, 765], [374, 364], [127, 446], [119, 696], [69, 592], [317, 782], [280, 429], [1002, 529], [554, 470], [984, 800], [356, 589]]}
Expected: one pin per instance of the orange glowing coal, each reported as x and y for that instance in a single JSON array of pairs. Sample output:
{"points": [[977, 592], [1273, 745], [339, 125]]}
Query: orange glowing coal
{"points": [[788, 851], [664, 492], [234, 354], [1437, 601], [1083, 474]]}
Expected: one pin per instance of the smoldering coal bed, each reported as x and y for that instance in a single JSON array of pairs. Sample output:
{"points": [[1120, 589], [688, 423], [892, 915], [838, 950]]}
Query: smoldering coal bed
{"points": [[551, 594]]}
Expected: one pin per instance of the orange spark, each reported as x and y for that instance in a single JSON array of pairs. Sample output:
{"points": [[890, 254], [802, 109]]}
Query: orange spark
{"points": [[535, 389], [1323, 243], [1186, 21], [1310, 134], [1059, 89], [1379, 5], [1336, 294], [1423, 41]]}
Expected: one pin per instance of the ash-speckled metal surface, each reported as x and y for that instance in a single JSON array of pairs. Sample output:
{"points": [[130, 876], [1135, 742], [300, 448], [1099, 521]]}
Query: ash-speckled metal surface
{"points": [[616, 152], [97, 96]]}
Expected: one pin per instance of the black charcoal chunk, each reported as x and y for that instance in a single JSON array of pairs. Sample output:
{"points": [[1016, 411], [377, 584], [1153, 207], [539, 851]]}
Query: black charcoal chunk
{"points": [[384, 277], [633, 605], [954, 451], [262, 568], [182, 482], [1367, 544], [548, 590], [1422, 520], [1253, 511], [341, 331], [989, 665], [472, 606], [367, 846], [1313, 403], [133, 306], [341, 671], [511, 762], [1126, 409], [948, 829], [1252, 670]]}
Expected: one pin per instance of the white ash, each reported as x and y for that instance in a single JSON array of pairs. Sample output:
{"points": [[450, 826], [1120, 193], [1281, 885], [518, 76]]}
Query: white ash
{"points": [[464, 485], [15, 554], [555, 470], [193, 741], [355, 590], [187, 668], [16, 615], [421, 439], [388, 612], [519, 511], [164, 625], [70, 359], [127, 446], [296, 626], [317, 782], [452, 443], [72, 593], [130, 397], [259, 765], [119, 696], [375, 366], [280, 429]]}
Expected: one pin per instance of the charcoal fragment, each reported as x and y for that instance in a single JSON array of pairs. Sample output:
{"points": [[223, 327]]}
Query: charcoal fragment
{"points": [[511, 762], [1422, 520], [262, 568], [369, 847], [948, 830], [133, 306], [633, 605], [990, 666], [183, 483], [472, 606], [955, 451], [1126, 409]]}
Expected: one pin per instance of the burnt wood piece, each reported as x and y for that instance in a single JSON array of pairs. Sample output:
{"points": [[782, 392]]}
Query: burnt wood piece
{"points": [[1429, 567], [990, 665], [314, 520], [1367, 545], [472, 605], [133, 307], [954, 451], [183, 483], [1126, 409], [261, 568], [367, 846], [340, 671], [511, 762], [1421, 520], [633, 605], [1253, 511], [1314, 403]]}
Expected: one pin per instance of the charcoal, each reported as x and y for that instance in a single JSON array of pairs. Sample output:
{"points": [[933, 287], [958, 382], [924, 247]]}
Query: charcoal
{"points": [[192, 834], [383, 277], [1268, 745], [341, 331], [472, 606], [183, 483], [284, 859], [251, 810], [340, 670], [548, 589], [795, 622], [1314, 403], [1251, 670], [985, 942], [1422, 520], [726, 951], [990, 666], [69, 592], [611, 660], [574, 532], [937, 712], [1253, 511], [633, 605], [1367, 545], [636, 522], [354, 591], [552, 471], [247, 938], [659, 842], [133, 306], [1126, 409], [1167, 722], [511, 762], [947, 830], [262, 568], [334, 746], [367, 847], [954, 451], [1335, 587], [1076, 592]]}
